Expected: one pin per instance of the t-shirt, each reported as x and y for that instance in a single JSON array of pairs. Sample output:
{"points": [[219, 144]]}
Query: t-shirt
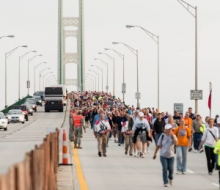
{"points": [[167, 146], [102, 126], [188, 122], [208, 137], [120, 120], [182, 133], [141, 124], [176, 119]]}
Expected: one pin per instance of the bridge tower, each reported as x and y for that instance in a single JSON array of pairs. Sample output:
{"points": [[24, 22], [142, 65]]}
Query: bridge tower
{"points": [[75, 58]]}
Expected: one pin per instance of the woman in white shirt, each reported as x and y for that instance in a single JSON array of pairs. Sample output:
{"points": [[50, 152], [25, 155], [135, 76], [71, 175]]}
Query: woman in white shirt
{"points": [[209, 138]]}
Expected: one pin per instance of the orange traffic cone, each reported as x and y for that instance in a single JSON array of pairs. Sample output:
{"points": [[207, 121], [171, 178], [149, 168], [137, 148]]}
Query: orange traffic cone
{"points": [[65, 156]]}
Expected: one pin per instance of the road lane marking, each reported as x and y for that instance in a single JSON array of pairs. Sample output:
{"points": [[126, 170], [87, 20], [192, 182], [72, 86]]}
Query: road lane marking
{"points": [[79, 172], [215, 184], [190, 171]]}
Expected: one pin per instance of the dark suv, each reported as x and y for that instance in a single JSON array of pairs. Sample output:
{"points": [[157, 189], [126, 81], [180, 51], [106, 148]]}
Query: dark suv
{"points": [[24, 110]]}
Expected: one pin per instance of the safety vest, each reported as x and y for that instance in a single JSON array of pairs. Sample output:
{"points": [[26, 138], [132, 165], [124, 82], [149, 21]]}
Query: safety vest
{"points": [[77, 120]]}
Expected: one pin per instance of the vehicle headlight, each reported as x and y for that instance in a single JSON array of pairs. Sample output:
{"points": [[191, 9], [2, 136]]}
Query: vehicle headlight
{"points": [[33, 106], [30, 110], [40, 101]]}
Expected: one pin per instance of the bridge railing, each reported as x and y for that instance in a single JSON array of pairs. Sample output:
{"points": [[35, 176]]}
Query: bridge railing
{"points": [[38, 170], [16, 103]]}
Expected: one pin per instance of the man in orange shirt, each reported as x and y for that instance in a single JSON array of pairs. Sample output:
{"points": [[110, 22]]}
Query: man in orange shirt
{"points": [[182, 133], [188, 122]]}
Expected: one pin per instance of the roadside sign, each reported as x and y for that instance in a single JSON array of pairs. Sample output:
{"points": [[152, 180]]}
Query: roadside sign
{"points": [[137, 95], [28, 84], [178, 107], [123, 90], [196, 94]]}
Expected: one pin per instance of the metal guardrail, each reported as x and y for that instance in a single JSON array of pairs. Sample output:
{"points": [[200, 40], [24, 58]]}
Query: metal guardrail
{"points": [[16, 103]]}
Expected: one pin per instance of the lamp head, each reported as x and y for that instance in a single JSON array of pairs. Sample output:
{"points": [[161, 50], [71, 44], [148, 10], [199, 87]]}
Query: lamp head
{"points": [[40, 55], [34, 51], [115, 43], [129, 26], [11, 36], [99, 53], [107, 49], [24, 46]]}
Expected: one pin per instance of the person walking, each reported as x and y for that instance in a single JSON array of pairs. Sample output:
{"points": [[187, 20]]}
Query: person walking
{"points": [[127, 132], [209, 138], [183, 134], [140, 128], [101, 130], [121, 119], [197, 134], [166, 144], [79, 123], [158, 127], [188, 122]]}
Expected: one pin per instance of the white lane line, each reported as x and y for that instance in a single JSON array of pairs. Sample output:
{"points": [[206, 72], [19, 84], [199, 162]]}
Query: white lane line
{"points": [[215, 184], [190, 171]]}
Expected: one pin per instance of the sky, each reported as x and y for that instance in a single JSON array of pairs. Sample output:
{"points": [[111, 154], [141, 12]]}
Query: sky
{"points": [[34, 23]]}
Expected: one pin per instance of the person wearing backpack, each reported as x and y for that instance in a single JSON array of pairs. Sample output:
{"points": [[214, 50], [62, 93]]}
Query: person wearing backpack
{"points": [[183, 134], [166, 144], [209, 138]]}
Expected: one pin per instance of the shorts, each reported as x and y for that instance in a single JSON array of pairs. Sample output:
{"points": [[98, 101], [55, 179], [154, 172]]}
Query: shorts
{"points": [[142, 137]]}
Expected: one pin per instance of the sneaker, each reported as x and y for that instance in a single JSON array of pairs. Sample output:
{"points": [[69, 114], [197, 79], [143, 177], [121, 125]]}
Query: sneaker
{"points": [[79, 147], [131, 154], [183, 173], [126, 152], [201, 150], [135, 154], [142, 156], [75, 146], [119, 144], [99, 154], [190, 149], [171, 182], [195, 151], [138, 154], [210, 173], [178, 172], [104, 155], [165, 185]]}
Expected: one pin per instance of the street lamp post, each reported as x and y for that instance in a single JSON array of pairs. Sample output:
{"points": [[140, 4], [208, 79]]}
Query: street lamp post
{"points": [[106, 64], [48, 78], [40, 76], [155, 39], [6, 56], [35, 67], [101, 71], [9, 36], [123, 85], [113, 60], [98, 77], [44, 76], [187, 6], [94, 80], [19, 72], [28, 81], [135, 52]]}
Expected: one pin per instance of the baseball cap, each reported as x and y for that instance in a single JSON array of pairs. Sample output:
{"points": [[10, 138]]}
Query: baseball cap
{"points": [[141, 114], [218, 121], [168, 126]]}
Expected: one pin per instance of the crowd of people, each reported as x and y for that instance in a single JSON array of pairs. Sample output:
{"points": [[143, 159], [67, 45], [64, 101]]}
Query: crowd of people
{"points": [[136, 128]]}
